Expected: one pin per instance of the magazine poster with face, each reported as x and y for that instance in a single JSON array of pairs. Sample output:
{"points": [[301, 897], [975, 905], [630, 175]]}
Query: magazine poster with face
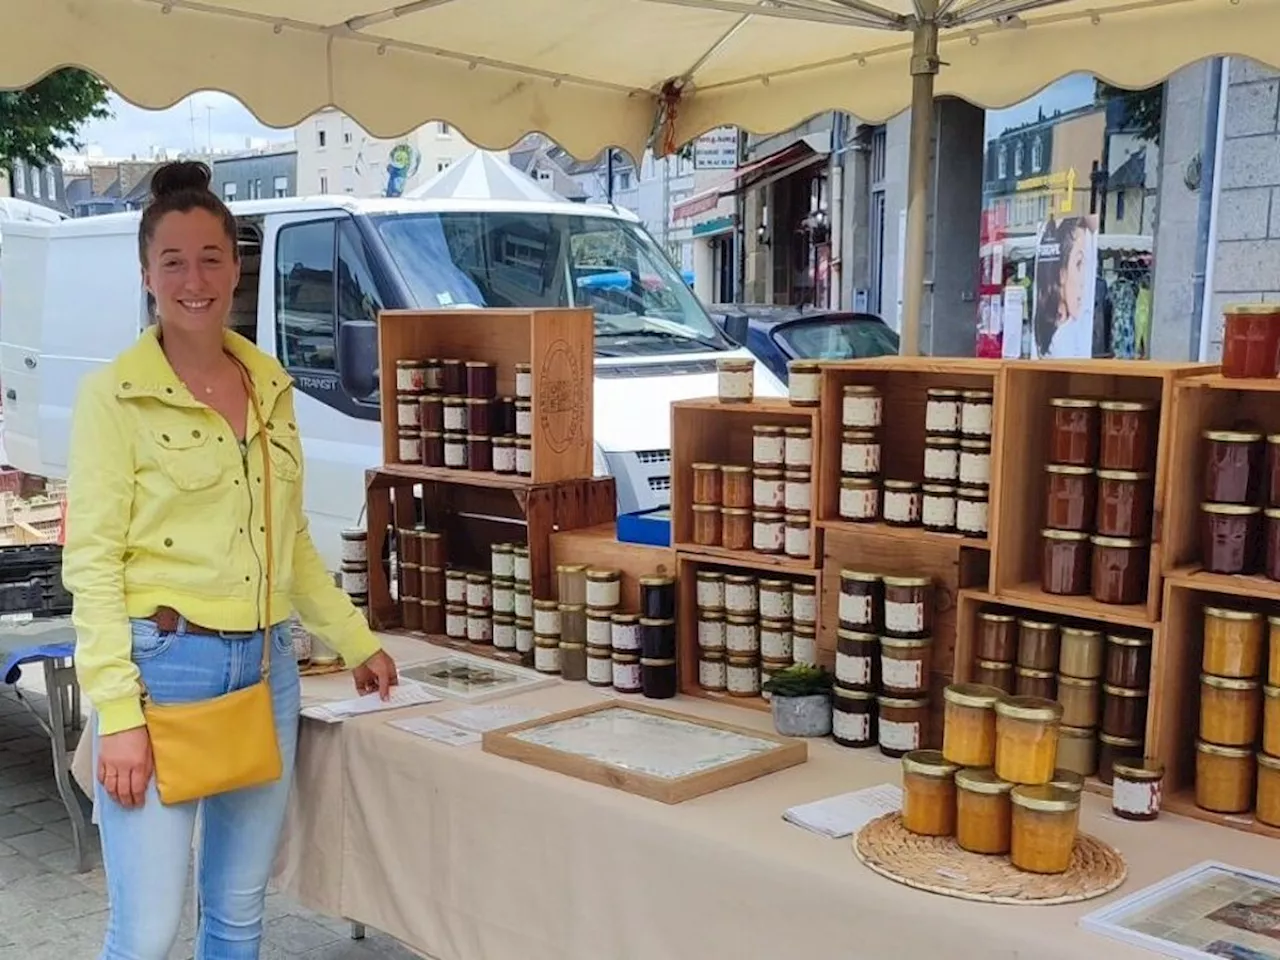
{"points": [[1066, 272]]}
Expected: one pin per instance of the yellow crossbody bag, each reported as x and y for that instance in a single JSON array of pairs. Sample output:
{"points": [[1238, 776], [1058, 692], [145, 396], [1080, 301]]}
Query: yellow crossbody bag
{"points": [[227, 742]]}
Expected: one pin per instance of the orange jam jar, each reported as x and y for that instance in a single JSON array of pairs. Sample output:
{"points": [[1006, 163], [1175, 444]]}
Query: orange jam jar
{"points": [[1027, 739], [1267, 809], [1224, 778], [1045, 821], [1271, 721], [928, 794], [983, 815], [969, 725], [1233, 642], [1229, 710]]}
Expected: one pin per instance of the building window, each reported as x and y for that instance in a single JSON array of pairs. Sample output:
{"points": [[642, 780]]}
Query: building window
{"points": [[1002, 161], [346, 130], [228, 192], [324, 182], [51, 182], [1037, 154], [19, 178], [322, 137], [1018, 154], [281, 187], [348, 180], [305, 296], [35, 184]]}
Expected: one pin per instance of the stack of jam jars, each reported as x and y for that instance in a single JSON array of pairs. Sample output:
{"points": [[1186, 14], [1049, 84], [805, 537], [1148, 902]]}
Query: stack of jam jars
{"points": [[1099, 499], [957, 462], [421, 562], [1240, 512], [490, 608], [861, 414]]}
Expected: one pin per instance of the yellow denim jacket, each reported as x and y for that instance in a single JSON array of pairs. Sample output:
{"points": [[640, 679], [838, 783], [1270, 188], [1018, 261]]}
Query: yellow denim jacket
{"points": [[163, 510]]}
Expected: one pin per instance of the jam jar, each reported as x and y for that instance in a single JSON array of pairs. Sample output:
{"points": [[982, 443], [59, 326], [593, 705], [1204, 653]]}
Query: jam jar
{"points": [[1233, 642], [855, 660], [997, 636], [1081, 653], [1267, 809], [1128, 661], [863, 407], [994, 673], [983, 814], [1230, 537], [1229, 711], [859, 499], [860, 453], [905, 665], [797, 448], [975, 463], [1027, 739], [972, 511], [1035, 683], [1137, 789], [1045, 822], [1073, 437], [1120, 570], [1124, 504], [1114, 749], [1128, 433], [969, 725], [736, 488], [1124, 711], [1080, 701], [1273, 470], [735, 529], [767, 446], [853, 718], [928, 794], [706, 525], [975, 412], [902, 724], [1070, 497], [1078, 750], [942, 459], [908, 606], [804, 383], [1224, 778], [902, 503], [1271, 543], [736, 380], [861, 600], [1064, 567], [1038, 644], [942, 411], [938, 507], [706, 484], [1250, 336], [1234, 464]]}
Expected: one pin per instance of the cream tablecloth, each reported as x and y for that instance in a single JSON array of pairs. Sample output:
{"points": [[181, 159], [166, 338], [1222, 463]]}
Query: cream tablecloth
{"points": [[469, 856]]}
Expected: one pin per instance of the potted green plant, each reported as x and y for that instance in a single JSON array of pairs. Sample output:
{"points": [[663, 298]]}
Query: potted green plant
{"points": [[801, 698]]}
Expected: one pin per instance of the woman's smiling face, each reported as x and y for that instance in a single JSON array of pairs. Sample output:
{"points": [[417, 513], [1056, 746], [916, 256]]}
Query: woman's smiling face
{"points": [[1074, 275], [192, 270]]}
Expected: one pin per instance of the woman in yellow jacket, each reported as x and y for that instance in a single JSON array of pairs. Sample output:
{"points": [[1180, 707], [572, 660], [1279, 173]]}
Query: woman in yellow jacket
{"points": [[165, 557]]}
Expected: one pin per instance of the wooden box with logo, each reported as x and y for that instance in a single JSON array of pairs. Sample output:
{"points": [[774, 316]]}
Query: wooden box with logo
{"points": [[537, 363]]}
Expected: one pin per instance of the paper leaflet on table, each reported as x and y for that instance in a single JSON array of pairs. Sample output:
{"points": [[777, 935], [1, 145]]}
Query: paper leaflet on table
{"points": [[844, 815], [406, 693]]}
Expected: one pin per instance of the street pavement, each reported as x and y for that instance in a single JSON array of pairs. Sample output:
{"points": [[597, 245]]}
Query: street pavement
{"points": [[50, 912]]}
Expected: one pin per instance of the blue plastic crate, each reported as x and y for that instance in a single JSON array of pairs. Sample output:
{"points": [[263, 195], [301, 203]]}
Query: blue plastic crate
{"points": [[652, 527]]}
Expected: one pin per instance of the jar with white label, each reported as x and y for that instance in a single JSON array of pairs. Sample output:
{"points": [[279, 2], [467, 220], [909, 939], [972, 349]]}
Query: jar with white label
{"points": [[861, 600], [546, 618], [524, 601], [775, 599], [804, 603], [775, 640], [938, 507], [455, 451], [504, 632], [409, 448], [410, 375], [600, 628], [604, 588], [768, 670], [798, 448], [768, 447], [804, 383], [502, 561], [524, 418], [524, 457], [504, 597], [804, 643], [504, 455], [902, 723], [904, 665], [859, 499], [971, 511], [942, 411], [599, 667], [479, 625], [856, 654], [941, 459], [710, 590], [524, 381], [975, 413], [626, 673], [355, 547], [742, 676], [769, 490], [712, 671], [860, 453], [455, 415], [903, 502], [479, 591], [546, 654], [408, 411], [742, 635], [862, 407], [798, 493], [524, 636], [798, 535], [455, 621], [768, 531], [975, 462], [740, 593], [712, 630], [908, 606], [736, 380], [520, 559], [355, 578], [626, 633], [853, 718]]}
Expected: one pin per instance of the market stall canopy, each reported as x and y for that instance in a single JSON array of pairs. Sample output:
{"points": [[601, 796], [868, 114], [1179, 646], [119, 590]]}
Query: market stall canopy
{"points": [[482, 176], [597, 73]]}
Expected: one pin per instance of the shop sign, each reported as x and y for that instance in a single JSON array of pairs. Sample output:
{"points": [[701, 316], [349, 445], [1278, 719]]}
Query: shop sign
{"points": [[716, 149]]}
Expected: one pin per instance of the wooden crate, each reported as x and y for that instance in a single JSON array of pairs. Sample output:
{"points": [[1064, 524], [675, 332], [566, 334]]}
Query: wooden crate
{"points": [[707, 431], [1175, 688], [687, 567], [473, 518], [1025, 414], [903, 383], [1202, 403], [599, 547], [560, 346]]}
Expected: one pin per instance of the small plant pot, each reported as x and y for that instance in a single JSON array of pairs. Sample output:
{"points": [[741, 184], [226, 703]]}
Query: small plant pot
{"points": [[807, 716]]}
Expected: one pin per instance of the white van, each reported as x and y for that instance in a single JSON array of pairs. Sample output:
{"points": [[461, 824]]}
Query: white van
{"points": [[316, 271]]}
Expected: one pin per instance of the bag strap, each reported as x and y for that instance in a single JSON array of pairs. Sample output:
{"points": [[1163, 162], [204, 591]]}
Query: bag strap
{"points": [[263, 442]]}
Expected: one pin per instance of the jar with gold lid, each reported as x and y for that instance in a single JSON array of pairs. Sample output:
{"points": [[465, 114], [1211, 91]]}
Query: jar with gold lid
{"points": [[908, 606], [1271, 720], [972, 511], [797, 534], [902, 723], [1035, 683], [1124, 504], [741, 593], [1229, 710], [712, 671], [804, 643], [1027, 739], [1128, 660], [863, 406], [742, 676], [1065, 562], [983, 811], [853, 721], [938, 507], [1113, 749], [604, 588], [941, 459], [735, 528], [804, 603], [713, 630], [797, 448], [928, 794], [1233, 642], [1124, 711], [775, 640], [994, 673], [706, 524], [975, 463], [859, 499], [742, 634], [768, 531], [1230, 538], [804, 383], [1070, 497], [969, 726], [905, 665], [1078, 750], [1080, 652], [1081, 701], [975, 412], [1067, 780], [1127, 432], [768, 448], [861, 600], [768, 489], [706, 484], [1073, 431], [710, 590], [1120, 570], [1267, 809], [1233, 466], [1045, 822], [775, 599], [798, 491], [860, 453], [736, 379], [1224, 778], [1038, 643], [856, 659], [942, 411], [903, 502], [736, 491], [997, 636], [1137, 789]]}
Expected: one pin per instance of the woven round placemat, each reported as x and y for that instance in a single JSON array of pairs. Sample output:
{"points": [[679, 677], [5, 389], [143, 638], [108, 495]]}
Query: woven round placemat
{"points": [[938, 865], [320, 669]]}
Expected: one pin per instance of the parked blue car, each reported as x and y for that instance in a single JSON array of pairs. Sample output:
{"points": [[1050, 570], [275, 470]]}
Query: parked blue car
{"points": [[780, 334]]}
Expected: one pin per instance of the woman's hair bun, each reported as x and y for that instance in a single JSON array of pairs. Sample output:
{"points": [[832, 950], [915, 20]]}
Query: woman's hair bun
{"points": [[180, 176]]}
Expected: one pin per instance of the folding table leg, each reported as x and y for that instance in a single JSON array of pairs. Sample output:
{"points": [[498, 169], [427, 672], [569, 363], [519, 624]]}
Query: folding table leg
{"points": [[59, 680]]}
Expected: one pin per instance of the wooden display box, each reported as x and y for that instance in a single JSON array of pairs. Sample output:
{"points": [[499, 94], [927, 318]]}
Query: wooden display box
{"points": [[473, 518], [707, 431], [903, 383], [599, 547], [559, 344], [1026, 417], [1211, 402], [1175, 688], [687, 567]]}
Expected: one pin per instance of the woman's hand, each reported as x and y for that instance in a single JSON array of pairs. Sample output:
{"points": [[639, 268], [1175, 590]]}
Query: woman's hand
{"points": [[377, 673], [125, 765]]}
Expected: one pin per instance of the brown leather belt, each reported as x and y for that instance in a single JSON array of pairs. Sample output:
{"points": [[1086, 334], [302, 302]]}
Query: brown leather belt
{"points": [[168, 619]]}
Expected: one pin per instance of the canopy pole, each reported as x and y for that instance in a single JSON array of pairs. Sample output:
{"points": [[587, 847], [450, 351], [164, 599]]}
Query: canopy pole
{"points": [[924, 67]]}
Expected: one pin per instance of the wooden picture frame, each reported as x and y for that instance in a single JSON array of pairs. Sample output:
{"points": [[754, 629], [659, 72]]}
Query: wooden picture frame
{"points": [[751, 762]]}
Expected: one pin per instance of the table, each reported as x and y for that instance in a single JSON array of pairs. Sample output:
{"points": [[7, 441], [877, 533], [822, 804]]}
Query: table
{"points": [[51, 644], [462, 854]]}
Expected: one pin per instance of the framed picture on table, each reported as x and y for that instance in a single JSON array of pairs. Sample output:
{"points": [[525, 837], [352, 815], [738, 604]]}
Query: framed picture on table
{"points": [[472, 679]]}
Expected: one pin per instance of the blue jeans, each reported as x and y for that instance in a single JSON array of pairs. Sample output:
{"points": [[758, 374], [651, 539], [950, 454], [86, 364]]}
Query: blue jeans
{"points": [[146, 851]]}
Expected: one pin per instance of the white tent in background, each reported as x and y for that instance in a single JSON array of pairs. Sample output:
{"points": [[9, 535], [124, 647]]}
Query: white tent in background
{"points": [[481, 175]]}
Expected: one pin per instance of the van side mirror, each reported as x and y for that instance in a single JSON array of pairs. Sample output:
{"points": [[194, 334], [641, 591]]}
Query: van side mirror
{"points": [[735, 328], [358, 357]]}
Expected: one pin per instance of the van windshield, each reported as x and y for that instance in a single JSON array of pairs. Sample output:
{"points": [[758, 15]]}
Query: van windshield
{"points": [[514, 259]]}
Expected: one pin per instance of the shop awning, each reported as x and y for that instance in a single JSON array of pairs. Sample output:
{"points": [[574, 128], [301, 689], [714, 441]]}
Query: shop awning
{"points": [[785, 162]]}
